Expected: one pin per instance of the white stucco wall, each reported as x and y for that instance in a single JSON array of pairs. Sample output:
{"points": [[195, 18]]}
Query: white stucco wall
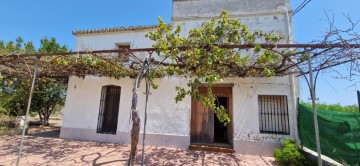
{"points": [[167, 117], [164, 116], [190, 9], [275, 23], [169, 122], [136, 39], [246, 107]]}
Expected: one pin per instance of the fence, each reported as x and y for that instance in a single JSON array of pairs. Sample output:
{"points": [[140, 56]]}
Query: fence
{"points": [[339, 133]]}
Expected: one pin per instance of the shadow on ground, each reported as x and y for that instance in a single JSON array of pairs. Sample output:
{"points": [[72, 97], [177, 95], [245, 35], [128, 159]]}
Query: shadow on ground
{"points": [[36, 128], [48, 134], [52, 151]]}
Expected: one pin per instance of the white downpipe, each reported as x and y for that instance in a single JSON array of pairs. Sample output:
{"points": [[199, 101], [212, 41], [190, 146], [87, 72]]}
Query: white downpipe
{"points": [[292, 81]]}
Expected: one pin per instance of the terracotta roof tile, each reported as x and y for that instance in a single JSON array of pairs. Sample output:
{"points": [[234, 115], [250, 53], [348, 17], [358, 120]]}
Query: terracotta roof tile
{"points": [[117, 29]]}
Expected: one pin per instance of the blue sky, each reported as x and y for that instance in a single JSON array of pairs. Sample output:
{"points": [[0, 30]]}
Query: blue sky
{"points": [[310, 24], [38, 18]]}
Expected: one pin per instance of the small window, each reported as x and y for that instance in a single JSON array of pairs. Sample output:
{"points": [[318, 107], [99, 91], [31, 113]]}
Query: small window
{"points": [[273, 114], [123, 57], [109, 109]]}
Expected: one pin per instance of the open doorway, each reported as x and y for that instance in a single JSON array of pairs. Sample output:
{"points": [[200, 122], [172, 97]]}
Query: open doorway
{"points": [[206, 129], [220, 131]]}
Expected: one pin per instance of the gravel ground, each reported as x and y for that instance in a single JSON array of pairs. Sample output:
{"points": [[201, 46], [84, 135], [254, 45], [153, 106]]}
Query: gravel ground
{"points": [[54, 151]]}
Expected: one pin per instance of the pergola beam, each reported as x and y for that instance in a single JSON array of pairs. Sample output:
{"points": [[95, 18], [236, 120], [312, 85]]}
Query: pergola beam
{"points": [[239, 46]]}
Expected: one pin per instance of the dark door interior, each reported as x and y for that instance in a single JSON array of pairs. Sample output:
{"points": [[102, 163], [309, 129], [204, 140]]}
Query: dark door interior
{"points": [[220, 131]]}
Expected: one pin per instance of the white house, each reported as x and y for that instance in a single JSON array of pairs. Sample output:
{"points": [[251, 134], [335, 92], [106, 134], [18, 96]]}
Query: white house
{"points": [[262, 110]]}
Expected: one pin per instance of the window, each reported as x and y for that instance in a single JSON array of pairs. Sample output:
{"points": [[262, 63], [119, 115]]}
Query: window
{"points": [[109, 109], [121, 56], [273, 114]]}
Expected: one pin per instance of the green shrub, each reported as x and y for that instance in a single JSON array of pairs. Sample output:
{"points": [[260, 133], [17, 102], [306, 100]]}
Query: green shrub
{"points": [[344, 163], [333, 107], [2, 110], [290, 154]]}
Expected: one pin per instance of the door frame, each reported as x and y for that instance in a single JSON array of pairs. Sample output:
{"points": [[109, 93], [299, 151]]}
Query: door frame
{"points": [[221, 90]]}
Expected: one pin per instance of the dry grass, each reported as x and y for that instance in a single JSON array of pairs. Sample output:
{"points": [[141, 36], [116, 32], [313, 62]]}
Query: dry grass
{"points": [[7, 125]]}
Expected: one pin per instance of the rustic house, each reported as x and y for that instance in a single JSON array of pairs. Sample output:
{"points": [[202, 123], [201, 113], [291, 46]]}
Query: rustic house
{"points": [[263, 110]]}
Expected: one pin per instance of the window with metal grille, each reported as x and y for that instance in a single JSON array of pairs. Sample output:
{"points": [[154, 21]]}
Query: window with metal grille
{"points": [[109, 109], [273, 114]]}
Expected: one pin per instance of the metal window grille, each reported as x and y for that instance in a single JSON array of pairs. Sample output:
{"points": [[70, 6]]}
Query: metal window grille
{"points": [[109, 109], [273, 114]]}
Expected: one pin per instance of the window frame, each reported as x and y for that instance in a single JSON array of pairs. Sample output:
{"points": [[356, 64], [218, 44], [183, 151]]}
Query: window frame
{"points": [[273, 114], [109, 109], [121, 56]]}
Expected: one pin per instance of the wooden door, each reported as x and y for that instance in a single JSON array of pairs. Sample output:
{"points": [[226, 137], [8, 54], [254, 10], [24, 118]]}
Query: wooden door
{"points": [[202, 119], [201, 128]]}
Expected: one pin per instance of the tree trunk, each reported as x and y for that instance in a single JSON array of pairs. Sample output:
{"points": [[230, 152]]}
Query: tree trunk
{"points": [[40, 116], [135, 131], [46, 119], [46, 116]]}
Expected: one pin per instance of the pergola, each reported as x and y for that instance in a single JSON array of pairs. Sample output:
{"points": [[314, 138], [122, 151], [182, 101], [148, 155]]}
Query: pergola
{"points": [[296, 59]]}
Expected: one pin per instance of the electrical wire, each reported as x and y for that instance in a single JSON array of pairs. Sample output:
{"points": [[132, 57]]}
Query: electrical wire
{"points": [[301, 6]]}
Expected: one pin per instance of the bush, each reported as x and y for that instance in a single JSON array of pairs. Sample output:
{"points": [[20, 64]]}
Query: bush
{"points": [[290, 154], [2, 110], [333, 107], [344, 163]]}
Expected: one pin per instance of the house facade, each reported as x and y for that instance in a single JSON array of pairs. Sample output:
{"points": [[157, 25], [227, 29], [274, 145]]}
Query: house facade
{"points": [[262, 110]]}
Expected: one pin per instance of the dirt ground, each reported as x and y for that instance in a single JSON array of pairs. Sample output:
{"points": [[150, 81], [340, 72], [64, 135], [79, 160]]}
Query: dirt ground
{"points": [[54, 151], [43, 147], [36, 129]]}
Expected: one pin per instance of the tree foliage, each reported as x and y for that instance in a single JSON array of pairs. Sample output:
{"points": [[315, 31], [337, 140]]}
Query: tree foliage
{"points": [[49, 94], [205, 60], [333, 107], [49, 97]]}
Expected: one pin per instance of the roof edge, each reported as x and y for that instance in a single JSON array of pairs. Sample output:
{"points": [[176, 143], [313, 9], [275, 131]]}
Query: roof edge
{"points": [[116, 29]]}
